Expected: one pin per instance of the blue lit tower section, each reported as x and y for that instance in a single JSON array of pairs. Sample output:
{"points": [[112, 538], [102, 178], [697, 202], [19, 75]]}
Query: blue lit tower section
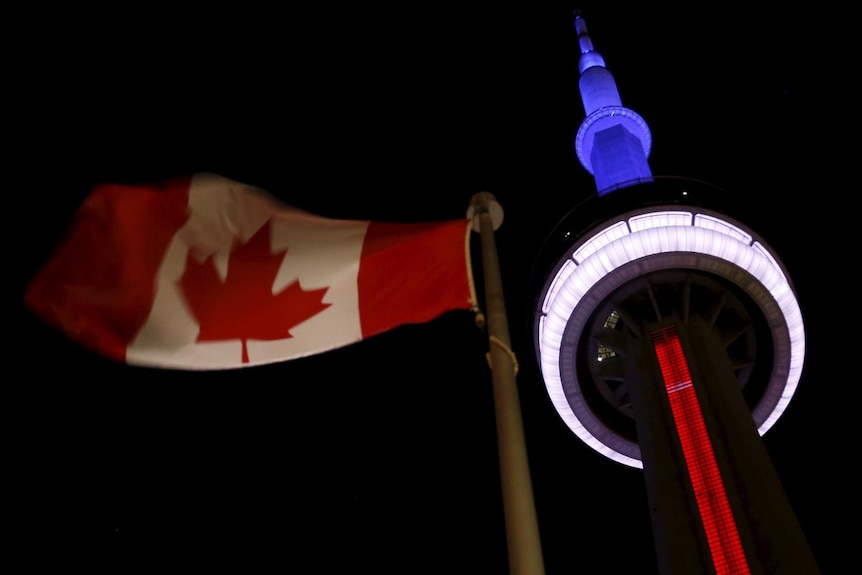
{"points": [[613, 142], [670, 339]]}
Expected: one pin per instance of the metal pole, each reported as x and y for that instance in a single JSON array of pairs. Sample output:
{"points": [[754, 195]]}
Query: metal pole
{"points": [[522, 530]]}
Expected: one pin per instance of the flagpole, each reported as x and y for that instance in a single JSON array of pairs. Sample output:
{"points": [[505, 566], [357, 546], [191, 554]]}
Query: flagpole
{"points": [[522, 530]]}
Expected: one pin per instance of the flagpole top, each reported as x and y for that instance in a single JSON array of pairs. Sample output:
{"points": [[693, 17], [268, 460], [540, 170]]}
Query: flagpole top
{"points": [[483, 202]]}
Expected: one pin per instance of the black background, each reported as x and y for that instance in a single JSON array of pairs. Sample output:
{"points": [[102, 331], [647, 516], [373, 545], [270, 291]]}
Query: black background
{"points": [[382, 456]]}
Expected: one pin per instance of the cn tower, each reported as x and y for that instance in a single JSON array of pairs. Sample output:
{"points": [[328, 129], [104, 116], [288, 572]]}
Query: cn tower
{"points": [[670, 339]]}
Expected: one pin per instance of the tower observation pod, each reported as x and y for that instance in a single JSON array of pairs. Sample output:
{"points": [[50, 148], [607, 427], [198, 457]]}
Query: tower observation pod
{"points": [[670, 339]]}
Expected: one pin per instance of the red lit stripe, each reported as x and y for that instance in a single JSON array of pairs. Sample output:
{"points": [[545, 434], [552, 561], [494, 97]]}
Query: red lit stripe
{"points": [[721, 532]]}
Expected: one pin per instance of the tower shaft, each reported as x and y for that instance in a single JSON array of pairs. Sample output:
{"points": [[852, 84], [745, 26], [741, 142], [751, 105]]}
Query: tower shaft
{"points": [[715, 499]]}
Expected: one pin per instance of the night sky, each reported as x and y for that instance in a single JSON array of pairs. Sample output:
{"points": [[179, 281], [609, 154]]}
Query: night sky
{"points": [[382, 456]]}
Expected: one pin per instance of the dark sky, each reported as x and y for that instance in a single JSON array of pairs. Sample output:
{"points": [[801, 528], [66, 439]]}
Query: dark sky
{"points": [[382, 456]]}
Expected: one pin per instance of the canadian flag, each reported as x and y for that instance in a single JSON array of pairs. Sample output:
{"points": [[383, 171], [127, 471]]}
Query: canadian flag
{"points": [[208, 273]]}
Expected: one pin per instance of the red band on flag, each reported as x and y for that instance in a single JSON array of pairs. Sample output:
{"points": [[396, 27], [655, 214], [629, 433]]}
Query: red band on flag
{"points": [[409, 273], [98, 286]]}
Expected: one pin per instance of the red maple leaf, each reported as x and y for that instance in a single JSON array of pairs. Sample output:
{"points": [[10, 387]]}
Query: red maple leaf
{"points": [[243, 306]]}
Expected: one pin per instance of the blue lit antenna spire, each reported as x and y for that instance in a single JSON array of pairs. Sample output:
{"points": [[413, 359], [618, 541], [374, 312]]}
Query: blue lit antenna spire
{"points": [[613, 142]]}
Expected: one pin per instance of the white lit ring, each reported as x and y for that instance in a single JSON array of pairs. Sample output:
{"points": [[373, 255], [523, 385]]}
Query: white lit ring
{"points": [[646, 235]]}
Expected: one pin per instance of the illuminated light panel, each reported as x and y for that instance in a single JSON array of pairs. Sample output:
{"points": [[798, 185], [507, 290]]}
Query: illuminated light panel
{"points": [[725, 546], [597, 242], [713, 223], [659, 219], [655, 233], [559, 279]]}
